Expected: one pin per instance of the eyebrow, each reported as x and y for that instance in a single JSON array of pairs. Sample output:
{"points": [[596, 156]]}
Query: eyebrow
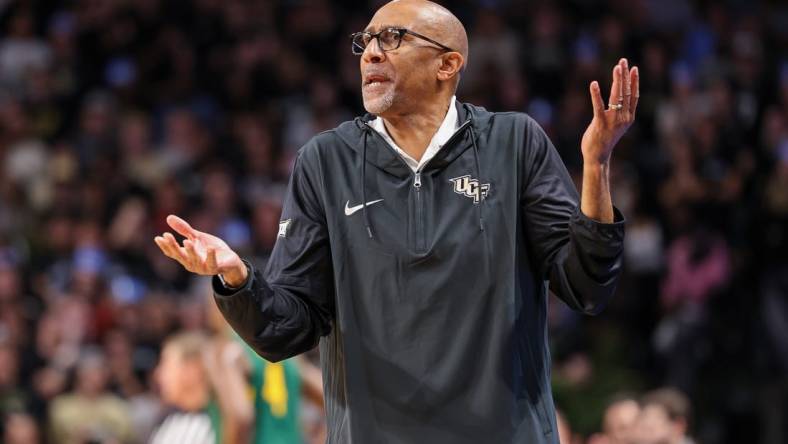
{"points": [[384, 26]]}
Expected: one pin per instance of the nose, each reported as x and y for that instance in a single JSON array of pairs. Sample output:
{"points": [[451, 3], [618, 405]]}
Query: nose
{"points": [[373, 53]]}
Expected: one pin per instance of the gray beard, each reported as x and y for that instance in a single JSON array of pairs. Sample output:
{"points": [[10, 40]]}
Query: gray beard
{"points": [[379, 104]]}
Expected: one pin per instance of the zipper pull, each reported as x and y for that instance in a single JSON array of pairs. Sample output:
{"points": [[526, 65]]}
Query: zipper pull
{"points": [[417, 180]]}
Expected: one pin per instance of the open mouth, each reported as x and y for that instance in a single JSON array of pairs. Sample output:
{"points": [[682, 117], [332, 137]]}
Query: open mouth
{"points": [[375, 80]]}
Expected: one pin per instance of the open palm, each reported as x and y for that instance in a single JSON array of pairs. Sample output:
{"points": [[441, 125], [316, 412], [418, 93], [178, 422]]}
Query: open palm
{"points": [[201, 253], [608, 125]]}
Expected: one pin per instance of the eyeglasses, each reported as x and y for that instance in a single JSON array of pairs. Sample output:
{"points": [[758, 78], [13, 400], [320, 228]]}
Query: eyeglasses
{"points": [[388, 39]]}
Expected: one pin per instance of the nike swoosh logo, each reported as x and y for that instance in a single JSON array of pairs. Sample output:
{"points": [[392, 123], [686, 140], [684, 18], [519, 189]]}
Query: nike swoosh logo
{"points": [[350, 210]]}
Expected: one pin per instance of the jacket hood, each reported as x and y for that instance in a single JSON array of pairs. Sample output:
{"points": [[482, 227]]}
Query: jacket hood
{"points": [[382, 155]]}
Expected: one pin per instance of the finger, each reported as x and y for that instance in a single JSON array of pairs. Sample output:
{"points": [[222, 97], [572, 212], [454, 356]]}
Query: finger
{"points": [[615, 89], [596, 99], [633, 100], [165, 247], [191, 252], [181, 226], [169, 250], [162, 246], [178, 252], [626, 86]]}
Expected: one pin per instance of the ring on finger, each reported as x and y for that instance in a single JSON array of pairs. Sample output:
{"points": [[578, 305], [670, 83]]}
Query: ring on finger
{"points": [[615, 106]]}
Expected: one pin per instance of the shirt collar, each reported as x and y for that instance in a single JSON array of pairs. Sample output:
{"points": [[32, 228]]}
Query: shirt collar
{"points": [[444, 133]]}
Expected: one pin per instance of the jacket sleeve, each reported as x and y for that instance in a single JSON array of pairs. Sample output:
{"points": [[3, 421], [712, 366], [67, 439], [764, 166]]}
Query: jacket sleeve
{"points": [[580, 256], [286, 309]]}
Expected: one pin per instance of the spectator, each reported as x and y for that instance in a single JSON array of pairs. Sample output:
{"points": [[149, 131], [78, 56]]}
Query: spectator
{"points": [[202, 392], [90, 413], [619, 422], [21, 428], [21, 51], [278, 388], [664, 418], [13, 397]]}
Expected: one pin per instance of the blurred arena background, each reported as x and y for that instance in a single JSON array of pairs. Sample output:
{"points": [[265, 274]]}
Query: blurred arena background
{"points": [[115, 113]]}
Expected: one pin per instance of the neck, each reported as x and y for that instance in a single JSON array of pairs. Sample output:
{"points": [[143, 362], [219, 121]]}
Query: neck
{"points": [[412, 131], [90, 394]]}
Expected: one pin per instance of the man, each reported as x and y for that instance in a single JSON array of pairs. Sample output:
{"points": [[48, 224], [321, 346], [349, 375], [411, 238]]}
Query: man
{"points": [[664, 418], [13, 397], [207, 400], [90, 413], [619, 422], [416, 243], [20, 428]]}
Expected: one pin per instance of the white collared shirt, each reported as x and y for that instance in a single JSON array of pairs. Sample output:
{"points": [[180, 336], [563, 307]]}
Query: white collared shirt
{"points": [[444, 133]]}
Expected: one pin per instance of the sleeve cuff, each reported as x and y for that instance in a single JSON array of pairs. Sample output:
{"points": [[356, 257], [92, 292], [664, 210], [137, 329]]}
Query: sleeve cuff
{"points": [[590, 228], [221, 290]]}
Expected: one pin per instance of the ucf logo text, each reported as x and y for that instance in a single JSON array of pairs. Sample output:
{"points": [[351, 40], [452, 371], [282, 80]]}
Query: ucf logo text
{"points": [[469, 187]]}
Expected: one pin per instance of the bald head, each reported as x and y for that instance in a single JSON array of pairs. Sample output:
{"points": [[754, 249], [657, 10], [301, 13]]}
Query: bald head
{"points": [[433, 20]]}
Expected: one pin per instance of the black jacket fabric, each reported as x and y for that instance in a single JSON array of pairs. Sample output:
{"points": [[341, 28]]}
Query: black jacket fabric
{"points": [[429, 302]]}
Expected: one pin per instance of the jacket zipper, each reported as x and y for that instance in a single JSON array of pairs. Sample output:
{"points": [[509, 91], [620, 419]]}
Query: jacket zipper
{"points": [[420, 237], [421, 246], [419, 222]]}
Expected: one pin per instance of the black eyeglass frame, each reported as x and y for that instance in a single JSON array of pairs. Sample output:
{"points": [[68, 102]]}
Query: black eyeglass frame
{"points": [[400, 31]]}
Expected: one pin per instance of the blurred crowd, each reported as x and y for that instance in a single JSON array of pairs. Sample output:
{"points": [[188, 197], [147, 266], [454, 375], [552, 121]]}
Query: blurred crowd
{"points": [[116, 113]]}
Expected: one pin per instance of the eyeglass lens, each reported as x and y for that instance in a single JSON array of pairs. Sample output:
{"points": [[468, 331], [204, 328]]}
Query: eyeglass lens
{"points": [[388, 39]]}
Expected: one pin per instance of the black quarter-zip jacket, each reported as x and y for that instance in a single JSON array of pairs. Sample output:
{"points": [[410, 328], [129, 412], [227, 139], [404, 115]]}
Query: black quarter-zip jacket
{"points": [[427, 292]]}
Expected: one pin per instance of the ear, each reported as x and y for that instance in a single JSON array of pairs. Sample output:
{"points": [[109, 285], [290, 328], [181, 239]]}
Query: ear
{"points": [[680, 426], [451, 64]]}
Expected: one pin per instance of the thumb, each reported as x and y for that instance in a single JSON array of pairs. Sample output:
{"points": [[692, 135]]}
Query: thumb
{"points": [[596, 99]]}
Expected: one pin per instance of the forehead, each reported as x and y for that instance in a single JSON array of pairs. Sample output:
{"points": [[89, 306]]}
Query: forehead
{"points": [[655, 412], [624, 409], [170, 354], [399, 14]]}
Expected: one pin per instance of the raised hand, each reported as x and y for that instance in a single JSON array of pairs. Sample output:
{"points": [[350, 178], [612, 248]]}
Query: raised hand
{"points": [[608, 125], [202, 253]]}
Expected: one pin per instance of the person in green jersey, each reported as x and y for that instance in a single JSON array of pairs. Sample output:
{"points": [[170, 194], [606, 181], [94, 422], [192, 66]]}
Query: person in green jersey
{"points": [[274, 390]]}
